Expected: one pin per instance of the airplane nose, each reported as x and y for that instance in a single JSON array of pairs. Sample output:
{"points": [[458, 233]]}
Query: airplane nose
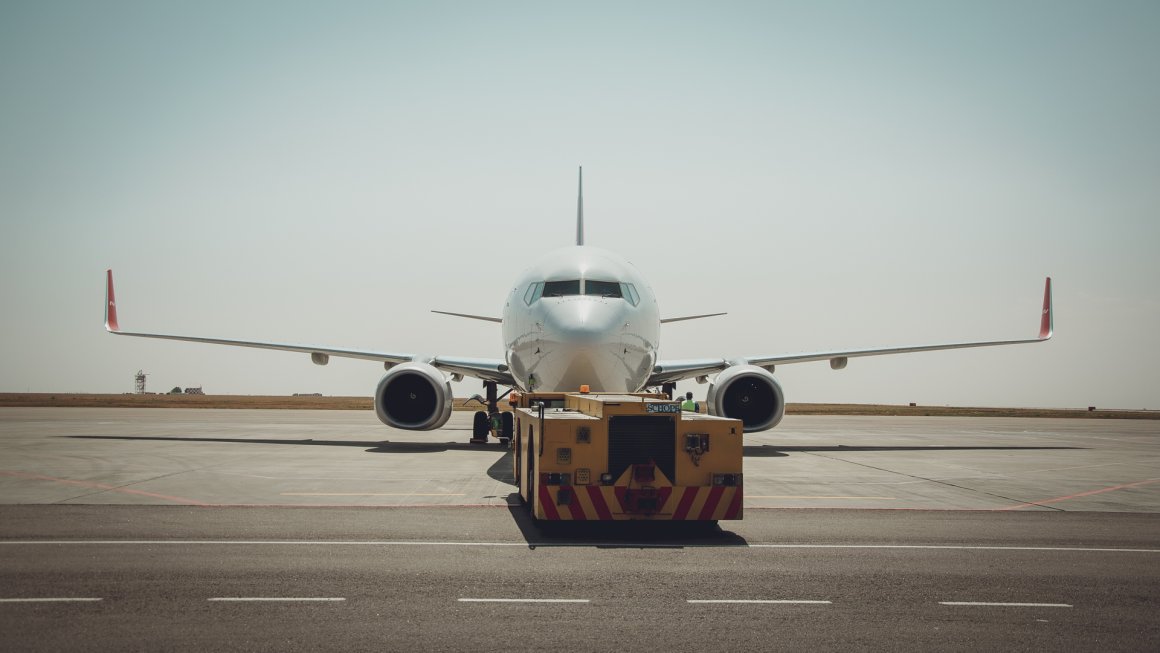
{"points": [[586, 320]]}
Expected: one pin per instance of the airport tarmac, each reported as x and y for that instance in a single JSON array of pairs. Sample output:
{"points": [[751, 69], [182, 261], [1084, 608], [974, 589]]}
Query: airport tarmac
{"points": [[302, 457], [285, 530]]}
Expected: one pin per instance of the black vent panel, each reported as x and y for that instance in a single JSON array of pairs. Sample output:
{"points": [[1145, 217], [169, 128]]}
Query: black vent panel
{"points": [[642, 439]]}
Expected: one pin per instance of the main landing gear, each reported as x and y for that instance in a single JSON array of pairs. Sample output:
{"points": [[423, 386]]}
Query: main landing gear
{"points": [[492, 421]]}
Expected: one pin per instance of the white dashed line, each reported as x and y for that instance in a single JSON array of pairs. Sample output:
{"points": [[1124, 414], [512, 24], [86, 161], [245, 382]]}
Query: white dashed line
{"points": [[1007, 605], [762, 601], [278, 598], [524, 601]]}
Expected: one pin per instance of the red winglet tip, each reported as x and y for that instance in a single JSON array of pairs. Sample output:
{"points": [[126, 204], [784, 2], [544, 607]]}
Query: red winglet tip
{"points": [[110, 304], [1046, 320]]}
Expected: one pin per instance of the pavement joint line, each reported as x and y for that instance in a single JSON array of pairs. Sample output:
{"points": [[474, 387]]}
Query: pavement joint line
{"points": [[762, 601], [580, 543], [992, 604], [100, 488], [242, 599], [470, 600], [52, 600], [923, 478], [127, 489]]}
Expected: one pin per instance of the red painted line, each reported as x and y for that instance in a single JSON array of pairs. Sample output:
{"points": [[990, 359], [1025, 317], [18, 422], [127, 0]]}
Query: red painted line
{"points": [[1082, 494], [734, 510], [102, 486], [711, 503], [685, 504], [548, 503], [598, 502]]}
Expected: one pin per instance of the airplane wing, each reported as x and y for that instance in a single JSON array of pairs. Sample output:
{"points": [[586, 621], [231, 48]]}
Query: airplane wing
{"points": [[670, 371], [483, 368]]}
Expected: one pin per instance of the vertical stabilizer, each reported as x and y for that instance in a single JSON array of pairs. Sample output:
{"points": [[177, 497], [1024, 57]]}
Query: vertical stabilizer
{"points": [[580, 210]]}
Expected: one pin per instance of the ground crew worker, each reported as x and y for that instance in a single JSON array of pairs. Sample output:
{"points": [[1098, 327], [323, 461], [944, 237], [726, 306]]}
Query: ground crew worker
{"points": [[688, 404]]}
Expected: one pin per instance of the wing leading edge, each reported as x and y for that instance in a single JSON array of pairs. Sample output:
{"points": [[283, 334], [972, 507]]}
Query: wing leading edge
{"points": [[488, 369], [670, 371]]}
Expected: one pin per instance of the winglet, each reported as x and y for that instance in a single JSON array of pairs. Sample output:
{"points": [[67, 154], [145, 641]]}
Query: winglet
{"points": [[110, 305], [1047, 321], [580, 210]]}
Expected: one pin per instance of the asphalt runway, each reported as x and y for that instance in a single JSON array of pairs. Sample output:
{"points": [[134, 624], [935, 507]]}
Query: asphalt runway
{"points": [[289, 530], [483, 579]]}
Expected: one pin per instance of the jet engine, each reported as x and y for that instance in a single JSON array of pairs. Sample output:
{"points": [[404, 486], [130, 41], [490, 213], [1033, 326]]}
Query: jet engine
{"points": [[750, 394], [413, 396]]}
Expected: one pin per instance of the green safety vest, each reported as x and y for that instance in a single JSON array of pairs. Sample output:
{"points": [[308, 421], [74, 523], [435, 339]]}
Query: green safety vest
{"points": [[689, 405]]}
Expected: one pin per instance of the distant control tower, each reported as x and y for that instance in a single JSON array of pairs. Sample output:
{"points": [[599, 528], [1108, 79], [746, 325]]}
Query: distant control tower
{"points": [[139, 383]]}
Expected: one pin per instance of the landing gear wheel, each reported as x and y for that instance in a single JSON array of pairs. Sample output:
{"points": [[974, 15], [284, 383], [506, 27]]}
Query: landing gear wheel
{"points": [[480, 428]]}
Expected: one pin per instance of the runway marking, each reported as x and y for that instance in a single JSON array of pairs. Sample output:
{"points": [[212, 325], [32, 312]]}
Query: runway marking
{"points": [[102, 486], [51, 600], [1031, 504], [597, 543], [761, 601], [524, 601], [1006, 605], [369, 494], [277, 598], [789, 496]]}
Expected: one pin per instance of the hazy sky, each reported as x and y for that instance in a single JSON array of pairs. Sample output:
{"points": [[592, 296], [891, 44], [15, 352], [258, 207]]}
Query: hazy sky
{"points": [[832, 174]]}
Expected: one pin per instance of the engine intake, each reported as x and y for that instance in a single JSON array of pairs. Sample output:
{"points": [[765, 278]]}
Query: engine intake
{"points": [[413, 396], [750, 394]]}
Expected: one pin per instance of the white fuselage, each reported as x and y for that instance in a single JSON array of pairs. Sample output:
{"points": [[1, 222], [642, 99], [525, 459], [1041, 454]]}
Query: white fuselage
{"points": [[581, 316]]}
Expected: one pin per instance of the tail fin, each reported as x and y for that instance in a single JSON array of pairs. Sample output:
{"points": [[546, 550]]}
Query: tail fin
{"points": [[580, 210]]}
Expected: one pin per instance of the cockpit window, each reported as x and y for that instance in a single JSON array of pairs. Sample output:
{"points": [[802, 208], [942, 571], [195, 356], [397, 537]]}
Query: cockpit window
{"points": [[629, 292], [561, 288], [590, 287], [602, 288], [534, 292]]}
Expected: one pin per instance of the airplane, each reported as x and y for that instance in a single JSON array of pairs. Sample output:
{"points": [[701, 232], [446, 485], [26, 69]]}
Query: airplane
{"points": [[581, 316]]}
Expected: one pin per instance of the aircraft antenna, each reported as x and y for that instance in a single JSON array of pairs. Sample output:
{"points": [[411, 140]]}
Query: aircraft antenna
{"points": [[580, 210]]}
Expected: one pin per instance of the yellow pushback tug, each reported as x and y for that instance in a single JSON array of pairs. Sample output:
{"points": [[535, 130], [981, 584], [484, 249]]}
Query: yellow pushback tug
{"points": [[581, 456]]}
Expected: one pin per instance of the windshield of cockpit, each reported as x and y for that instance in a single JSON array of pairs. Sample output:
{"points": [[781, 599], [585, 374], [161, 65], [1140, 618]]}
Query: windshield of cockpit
{"points": [[590, 287]]}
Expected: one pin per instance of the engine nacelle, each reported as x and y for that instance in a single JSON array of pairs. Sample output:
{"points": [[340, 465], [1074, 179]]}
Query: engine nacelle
{"points": [[413, 396], [750, 394]]}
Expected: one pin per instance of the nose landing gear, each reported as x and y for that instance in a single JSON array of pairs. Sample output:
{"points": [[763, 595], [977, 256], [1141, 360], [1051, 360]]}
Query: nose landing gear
{"points": [[492, 422]]}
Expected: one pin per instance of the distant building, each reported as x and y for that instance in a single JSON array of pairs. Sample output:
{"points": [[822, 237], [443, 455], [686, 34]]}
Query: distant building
{"points": [[194, 391]]}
